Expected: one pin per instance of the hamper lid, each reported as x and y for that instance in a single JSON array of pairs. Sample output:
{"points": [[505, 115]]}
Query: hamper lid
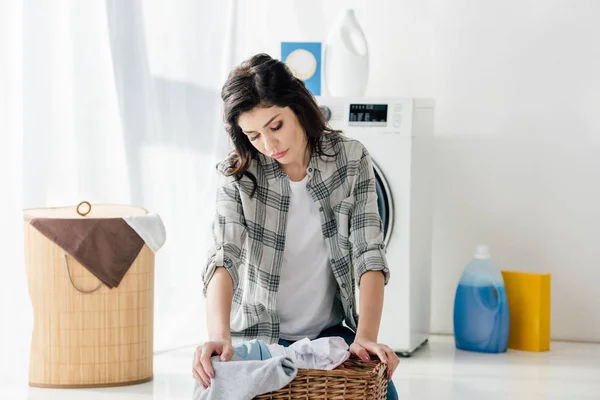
{"points": [[106, 239]]}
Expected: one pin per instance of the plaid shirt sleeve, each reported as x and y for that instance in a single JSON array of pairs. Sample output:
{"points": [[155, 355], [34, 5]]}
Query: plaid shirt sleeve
{"points": [[366, 228], [229, 232]]}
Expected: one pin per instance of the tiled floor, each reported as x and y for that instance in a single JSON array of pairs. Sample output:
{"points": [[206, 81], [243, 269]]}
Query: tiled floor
{"points": [[437, 371]]}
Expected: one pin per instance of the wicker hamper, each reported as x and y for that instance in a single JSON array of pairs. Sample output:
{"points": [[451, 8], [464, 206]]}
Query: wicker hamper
{"points": [[353, 380], [86, 334]]}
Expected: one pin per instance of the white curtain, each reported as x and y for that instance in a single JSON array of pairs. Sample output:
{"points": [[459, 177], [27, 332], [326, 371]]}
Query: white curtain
{"points": [[15, 309], [114, 102]]}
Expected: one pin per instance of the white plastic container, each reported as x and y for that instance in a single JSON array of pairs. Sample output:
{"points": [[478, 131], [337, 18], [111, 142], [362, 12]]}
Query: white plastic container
{"points": [[346, 58]]}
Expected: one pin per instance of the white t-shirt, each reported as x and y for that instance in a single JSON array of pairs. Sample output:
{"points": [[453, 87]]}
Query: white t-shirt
{"points": [[306, 298]]}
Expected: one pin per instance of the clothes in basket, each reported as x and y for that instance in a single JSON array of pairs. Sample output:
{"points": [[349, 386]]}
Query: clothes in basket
{"points": [[323, 353], [258, 368]]}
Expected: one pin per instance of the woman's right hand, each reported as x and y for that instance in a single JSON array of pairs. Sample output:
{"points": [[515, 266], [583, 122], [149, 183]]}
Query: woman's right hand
{"points": [[202, 368]]}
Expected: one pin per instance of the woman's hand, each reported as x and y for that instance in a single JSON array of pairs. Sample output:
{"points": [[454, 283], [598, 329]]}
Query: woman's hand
{"points": [[362, 347], [202, 369]]}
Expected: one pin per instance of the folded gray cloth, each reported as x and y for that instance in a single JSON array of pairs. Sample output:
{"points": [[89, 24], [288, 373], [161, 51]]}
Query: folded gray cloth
{"points": [[238, 379]]}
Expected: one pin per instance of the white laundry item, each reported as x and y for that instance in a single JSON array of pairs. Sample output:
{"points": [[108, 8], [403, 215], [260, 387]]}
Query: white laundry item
{"points": [[238, 379], [150, 228], [324, 353]]}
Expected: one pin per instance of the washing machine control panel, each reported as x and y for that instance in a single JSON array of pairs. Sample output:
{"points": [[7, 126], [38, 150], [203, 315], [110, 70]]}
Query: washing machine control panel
{"points": [[384, 115]]}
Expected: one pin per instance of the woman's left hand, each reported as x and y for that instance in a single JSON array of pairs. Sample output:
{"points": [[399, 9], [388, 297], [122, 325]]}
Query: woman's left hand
{"points": [[362, 347]]}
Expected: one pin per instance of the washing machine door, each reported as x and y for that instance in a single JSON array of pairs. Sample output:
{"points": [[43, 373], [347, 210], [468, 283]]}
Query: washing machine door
{"points": [[384, 203]]}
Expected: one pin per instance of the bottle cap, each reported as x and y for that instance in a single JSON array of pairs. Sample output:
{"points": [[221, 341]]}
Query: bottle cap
{"points": [[482, 251]]}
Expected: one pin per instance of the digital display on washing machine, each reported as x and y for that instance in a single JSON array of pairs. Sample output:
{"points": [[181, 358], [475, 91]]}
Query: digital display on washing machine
{"points": [[368, 115]]}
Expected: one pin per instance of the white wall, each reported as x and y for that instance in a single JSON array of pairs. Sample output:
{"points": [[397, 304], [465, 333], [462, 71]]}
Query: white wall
{"points": [[517, 86]]}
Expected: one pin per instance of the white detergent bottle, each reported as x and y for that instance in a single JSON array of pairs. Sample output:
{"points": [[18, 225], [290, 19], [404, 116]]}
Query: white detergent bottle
{"points": [[346, 58]]}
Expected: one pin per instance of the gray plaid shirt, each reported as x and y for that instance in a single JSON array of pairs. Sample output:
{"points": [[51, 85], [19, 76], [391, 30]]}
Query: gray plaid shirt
{"points": [[249, 233]]}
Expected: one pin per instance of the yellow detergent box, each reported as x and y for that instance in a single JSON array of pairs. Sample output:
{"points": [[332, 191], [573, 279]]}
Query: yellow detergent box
{"points": [[528, 297]]}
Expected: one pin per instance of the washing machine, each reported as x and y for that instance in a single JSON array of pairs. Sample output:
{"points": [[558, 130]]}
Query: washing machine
{"points": [[398, 134]]}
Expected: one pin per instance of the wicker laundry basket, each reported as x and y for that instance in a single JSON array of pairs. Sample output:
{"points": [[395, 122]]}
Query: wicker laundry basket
{"points": [[86, 334], [353, 380]]}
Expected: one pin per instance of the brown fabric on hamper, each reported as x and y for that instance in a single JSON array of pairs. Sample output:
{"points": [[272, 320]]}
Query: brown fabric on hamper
{"points": [[105, 246]]}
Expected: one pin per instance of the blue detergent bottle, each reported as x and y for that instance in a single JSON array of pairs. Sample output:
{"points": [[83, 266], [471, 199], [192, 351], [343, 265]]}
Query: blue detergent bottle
{"points": [[481, 315]]}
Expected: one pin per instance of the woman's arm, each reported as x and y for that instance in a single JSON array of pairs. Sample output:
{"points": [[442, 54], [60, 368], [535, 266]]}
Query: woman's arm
{"points": [[371, 304], [218, 305], [370, 264], [221, 278], [368, 254]]}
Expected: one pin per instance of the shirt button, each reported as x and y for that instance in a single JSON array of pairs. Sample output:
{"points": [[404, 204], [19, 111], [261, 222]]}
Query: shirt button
{"points": [[343, 285], [310, 170], [320, 208], [219, 247]]}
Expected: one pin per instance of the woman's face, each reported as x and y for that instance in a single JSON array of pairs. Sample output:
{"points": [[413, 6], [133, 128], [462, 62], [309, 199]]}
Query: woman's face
{"points": [[276, 133]]}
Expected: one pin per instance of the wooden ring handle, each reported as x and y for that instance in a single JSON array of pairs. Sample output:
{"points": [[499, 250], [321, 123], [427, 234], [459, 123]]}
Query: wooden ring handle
{"points": [[83, 214]]}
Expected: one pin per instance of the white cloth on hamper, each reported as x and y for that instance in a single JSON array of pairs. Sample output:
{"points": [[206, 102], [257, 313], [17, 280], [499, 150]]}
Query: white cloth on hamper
{"points": [[150, 228]]}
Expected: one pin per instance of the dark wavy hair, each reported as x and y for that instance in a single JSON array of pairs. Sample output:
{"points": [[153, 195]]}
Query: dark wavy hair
{"points": [[264, 81]]}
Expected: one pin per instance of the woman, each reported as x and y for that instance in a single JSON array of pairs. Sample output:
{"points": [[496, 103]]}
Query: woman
{"points": [[297, 226]]}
